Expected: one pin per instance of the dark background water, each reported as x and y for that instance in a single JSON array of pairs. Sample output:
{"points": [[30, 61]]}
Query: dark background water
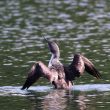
{"points": [[78, 26]]}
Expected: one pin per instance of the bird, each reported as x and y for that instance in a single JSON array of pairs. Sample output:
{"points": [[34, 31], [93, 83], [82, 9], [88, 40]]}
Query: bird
{"points": [[59, 75]]}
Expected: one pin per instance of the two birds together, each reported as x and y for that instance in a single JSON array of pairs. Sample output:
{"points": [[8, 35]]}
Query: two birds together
{"points": [[59, 75]]}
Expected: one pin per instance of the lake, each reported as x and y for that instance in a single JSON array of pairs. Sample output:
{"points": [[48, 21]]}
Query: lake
{"points": [[79, 26]]}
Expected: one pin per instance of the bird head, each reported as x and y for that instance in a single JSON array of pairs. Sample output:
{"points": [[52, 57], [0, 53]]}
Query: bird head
{"points": [[53, 47]]}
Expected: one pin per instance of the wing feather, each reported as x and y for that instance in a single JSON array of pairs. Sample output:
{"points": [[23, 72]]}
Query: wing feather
{"points": [[76, 68], [37, 70], [79, 65], [90, 68]]}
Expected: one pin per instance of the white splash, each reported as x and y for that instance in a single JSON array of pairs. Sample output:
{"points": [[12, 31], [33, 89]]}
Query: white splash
{"points": [[16, 90]]}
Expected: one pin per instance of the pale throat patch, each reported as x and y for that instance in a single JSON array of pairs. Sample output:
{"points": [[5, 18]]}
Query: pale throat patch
{"points": [[50, 62], [53, 60]]}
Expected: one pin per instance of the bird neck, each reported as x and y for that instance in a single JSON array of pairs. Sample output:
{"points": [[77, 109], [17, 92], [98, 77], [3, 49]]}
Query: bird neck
{"points": [[54, 57]]}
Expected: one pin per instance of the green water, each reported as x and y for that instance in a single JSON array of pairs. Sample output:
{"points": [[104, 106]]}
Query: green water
{"points": [[78, 26]]}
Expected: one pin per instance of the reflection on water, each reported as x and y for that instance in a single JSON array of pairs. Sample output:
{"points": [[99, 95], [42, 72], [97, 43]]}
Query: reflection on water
{"points": [[55, 100], [78, 26], [81, 102], [60, 100], [65, 99], [52, 99]]}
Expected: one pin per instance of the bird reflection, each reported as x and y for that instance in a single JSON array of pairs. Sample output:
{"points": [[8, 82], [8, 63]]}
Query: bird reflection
{"points": [[55, 100], [81, 102], [59, 100]]}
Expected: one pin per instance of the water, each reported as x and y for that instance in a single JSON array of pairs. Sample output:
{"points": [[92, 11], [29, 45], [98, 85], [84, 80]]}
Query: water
{"points": [[78, 26], [80, 97]]}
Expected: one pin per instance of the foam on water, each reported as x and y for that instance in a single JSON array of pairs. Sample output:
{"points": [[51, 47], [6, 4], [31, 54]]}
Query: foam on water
{"points": [[16, 90], [92, 87]]}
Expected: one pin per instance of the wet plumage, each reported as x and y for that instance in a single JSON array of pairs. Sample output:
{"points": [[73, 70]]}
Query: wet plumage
{"points": [[59, 75]]}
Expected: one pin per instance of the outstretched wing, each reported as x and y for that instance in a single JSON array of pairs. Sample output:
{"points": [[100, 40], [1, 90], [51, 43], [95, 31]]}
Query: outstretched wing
{"points": [[90, 68], [81, 64], [37, 70]]}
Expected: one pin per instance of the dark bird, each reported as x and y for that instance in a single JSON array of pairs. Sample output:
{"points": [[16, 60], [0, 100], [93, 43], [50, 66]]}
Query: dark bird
{"points": [[59, 75]]}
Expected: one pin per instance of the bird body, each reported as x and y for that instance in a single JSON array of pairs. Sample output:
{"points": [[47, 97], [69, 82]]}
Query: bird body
{"points": [[59, 75]]}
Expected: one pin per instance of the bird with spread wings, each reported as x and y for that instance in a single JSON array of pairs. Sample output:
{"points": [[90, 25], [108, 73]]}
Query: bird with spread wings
{"points": [[59, 75]]}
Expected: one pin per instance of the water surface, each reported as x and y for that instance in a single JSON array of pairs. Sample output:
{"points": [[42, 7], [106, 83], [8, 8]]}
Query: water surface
{"points": [[78, 26]]}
